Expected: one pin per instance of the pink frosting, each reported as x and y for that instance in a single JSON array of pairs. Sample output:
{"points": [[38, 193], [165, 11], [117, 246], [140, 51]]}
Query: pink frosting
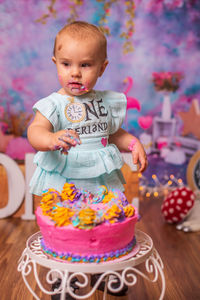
{"points": [[100, 239]]}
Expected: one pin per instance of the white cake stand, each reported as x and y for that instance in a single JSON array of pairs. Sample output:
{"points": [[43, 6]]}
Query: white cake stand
{"points": [[125, 270]]}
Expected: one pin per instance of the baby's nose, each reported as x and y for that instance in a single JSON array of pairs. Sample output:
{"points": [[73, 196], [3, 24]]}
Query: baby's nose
{"points": [[76, 71]]}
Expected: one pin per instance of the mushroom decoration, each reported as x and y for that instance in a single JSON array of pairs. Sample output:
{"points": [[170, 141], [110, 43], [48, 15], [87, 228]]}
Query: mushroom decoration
{"points": [[177, 204]]}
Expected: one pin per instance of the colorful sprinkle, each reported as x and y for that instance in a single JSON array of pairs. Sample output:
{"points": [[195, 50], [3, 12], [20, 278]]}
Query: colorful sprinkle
{"points": [[84, 210], [96, 258]]}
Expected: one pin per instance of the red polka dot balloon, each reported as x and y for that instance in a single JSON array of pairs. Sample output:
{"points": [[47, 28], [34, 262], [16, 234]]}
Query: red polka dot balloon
{"points": [[177, 204]]}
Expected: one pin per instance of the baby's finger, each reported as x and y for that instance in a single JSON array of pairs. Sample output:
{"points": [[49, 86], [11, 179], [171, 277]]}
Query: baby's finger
{"points": [[64, 151], [143, 164], [70, 141], [135, 156], [64, 145], [73, 135], [56, 147]]}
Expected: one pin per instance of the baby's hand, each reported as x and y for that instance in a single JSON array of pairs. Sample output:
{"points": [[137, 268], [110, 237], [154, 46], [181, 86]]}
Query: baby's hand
{"points": [[139, 155], [65, 139]]}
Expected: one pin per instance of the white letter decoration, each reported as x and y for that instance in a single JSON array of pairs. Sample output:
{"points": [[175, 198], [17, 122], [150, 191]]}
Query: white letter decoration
{"points": [[29, 170], [18, 187]]}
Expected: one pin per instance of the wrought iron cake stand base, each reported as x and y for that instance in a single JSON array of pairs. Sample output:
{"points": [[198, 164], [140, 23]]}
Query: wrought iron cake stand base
{"points": [[124, 271]]}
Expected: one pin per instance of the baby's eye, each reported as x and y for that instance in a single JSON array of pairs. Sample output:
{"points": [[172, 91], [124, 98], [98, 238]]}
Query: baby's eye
{"points": [[66, 64], [85, 65]]}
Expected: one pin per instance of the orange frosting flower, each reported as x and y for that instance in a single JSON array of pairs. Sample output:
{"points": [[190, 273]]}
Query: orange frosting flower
{"points": [[129, 211], [112, 213], [49, 198], [87, 218], [62, 216], [68, 192]]}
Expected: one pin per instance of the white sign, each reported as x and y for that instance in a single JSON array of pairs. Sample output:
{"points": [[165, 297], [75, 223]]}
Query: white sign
{"points": [[18, 186]]}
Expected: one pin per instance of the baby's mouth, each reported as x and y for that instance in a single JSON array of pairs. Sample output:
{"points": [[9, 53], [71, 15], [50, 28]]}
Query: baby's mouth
{"points": [[75, 85]]}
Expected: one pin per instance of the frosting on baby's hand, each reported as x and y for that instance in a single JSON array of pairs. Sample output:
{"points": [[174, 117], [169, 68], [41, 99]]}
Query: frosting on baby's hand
{"points": [[76, 141]]}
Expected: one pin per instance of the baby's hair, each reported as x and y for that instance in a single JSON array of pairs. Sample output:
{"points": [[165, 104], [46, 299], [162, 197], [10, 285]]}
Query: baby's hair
{"points": [[83, 30]]}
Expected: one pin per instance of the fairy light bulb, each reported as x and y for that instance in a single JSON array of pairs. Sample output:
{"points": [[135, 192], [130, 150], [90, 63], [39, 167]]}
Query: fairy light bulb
{"points": [[156, 180], [158, 188]]}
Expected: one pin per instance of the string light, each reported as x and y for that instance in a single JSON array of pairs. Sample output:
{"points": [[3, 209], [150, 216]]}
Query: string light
{"points": [[155, 178], [180, 181], [159, 189], [156, 194], [169, 182]]}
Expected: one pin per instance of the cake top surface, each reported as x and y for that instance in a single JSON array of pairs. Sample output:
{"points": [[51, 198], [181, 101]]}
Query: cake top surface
{"points": [[83, 209]]}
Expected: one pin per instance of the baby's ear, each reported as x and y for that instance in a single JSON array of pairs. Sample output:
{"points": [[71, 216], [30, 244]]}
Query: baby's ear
{"points": [[103, 67], [53, 59]]}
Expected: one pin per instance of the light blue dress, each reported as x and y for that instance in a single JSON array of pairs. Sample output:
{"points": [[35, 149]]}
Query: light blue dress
{"points": [[94, 162]]}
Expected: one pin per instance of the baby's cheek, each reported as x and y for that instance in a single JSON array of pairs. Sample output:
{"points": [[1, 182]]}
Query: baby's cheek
{"points": [[61, 80]]}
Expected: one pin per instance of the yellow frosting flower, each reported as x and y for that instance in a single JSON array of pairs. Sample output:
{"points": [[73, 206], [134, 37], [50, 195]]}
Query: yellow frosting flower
{"points": [[129, 211], [112, 213], [49, 198], [62, 216], [87, 217], [68, 192]]}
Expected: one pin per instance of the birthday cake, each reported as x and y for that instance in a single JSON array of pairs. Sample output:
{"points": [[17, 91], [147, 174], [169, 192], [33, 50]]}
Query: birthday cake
{"points": [[78, 226]]}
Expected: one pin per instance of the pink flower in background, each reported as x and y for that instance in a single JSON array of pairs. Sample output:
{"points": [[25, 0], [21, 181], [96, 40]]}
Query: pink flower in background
{"points": [[155, 6], [167, 81], [18, 147], [173, 4], [18, 84]]}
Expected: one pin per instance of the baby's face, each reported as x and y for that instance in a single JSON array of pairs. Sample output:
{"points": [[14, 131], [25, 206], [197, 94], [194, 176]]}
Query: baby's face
{"points": [[79, 63]]}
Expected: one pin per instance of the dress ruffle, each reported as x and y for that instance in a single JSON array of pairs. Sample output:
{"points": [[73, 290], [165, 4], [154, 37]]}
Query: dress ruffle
{"points": [[43, 180], [81, 163]]}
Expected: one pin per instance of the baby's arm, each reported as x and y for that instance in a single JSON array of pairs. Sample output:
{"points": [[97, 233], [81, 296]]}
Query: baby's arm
{"points": [[127, 142], [42, 138]]}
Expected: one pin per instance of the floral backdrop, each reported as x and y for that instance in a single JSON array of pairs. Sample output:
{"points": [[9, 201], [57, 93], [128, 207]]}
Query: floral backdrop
{"points": [[145, 38]]}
